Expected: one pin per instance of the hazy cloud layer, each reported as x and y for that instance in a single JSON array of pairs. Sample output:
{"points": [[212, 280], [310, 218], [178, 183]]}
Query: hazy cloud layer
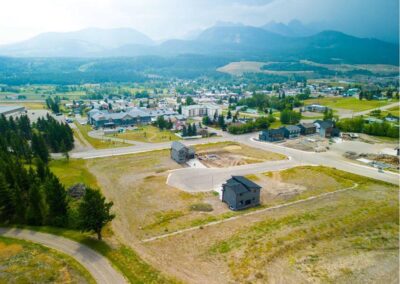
{"points": [[161, 19]]}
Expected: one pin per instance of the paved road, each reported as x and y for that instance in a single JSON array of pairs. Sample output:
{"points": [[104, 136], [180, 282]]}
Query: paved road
{"points": [[139, 147], [97, 265], [330, 159], [198, 180]]}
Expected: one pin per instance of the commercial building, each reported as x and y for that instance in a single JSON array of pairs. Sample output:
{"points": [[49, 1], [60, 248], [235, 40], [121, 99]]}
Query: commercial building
{"points": [[12, 110], [201, 111]]}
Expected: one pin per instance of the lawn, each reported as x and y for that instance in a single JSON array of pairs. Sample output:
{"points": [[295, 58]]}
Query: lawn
{"points": [[98, 143], [72, 172], [353, 104], [347, 237], [26, 262], [148, 134], [395, 111]]}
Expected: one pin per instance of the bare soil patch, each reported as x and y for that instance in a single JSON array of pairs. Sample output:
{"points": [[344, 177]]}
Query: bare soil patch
{"points": [[311, 143], [229, 154]]}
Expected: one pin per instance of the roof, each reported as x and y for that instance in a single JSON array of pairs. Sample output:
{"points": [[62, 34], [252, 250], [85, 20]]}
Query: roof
{"points": [[246, 182], [276, 130], [177, 146], [237, 187], [307, 125], [106, 115], [292, 128], [324, 123], [160, 112], [10, 109]]}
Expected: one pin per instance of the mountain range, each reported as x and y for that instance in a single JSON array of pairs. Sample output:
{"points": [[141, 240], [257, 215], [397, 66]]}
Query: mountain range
{"points": [[274, 41]]}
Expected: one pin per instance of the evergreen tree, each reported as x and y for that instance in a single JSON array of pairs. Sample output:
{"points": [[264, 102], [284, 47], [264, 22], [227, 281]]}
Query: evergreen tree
{"points": [[190, 130], [221, 121], [94, 212], [39, 147], [184, 131], [41, 169], [34, 213], [194, 130], [7, 205], [206, 120], [229, 114], [56, 199]]}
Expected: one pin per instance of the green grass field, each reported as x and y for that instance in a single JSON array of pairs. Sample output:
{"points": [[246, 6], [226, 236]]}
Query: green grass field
{"points": [[72, 172], [26, 262], [148, 134], [353, 104]]}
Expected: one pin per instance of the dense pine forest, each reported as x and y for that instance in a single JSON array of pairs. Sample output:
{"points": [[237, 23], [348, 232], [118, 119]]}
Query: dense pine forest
{"points": [[30, 194]]}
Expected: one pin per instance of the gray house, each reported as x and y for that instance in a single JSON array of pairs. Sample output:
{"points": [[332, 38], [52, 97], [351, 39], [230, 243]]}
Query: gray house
{"points": [[324, 128], [291, 131], [307, 128], [272, 135], [240, 193], [180, 153]]}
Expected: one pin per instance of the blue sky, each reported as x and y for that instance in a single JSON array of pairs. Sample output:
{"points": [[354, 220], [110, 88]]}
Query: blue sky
{"points": [[162, 19]]}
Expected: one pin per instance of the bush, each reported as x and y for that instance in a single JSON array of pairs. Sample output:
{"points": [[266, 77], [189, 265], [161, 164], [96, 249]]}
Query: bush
{"points": [[201, 207]]}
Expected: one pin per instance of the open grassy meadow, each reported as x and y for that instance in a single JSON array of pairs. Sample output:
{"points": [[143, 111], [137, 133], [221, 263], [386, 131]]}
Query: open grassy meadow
{"points": [[26, 262], [353, 104], [148, 134], [73, 171]]}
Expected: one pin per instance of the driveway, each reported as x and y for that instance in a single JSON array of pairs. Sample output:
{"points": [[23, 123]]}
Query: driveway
{"points": [[97, 265], [207, 179]]}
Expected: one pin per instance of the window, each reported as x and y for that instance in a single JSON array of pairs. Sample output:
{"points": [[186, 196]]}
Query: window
{"points": [[248, 202]]}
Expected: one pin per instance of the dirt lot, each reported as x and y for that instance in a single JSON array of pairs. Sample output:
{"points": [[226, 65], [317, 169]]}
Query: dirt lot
{"points": [[290, 245], [310, 143], [347, 237], [230, 154]]}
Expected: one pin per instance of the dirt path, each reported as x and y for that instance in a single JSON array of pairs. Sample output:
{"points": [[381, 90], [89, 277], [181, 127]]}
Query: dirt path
{"points": [[97, 265], [80, 137], [248, 214]]}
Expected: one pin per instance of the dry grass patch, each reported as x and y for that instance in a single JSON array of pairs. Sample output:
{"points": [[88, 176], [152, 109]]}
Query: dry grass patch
{"points": [[145, 205], [26, 262]]}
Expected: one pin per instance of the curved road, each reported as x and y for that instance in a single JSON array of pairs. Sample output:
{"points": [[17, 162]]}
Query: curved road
{"points": [[97, 265]]}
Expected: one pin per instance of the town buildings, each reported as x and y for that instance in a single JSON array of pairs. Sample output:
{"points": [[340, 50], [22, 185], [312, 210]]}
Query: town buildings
{"points": [[201, 110]]}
